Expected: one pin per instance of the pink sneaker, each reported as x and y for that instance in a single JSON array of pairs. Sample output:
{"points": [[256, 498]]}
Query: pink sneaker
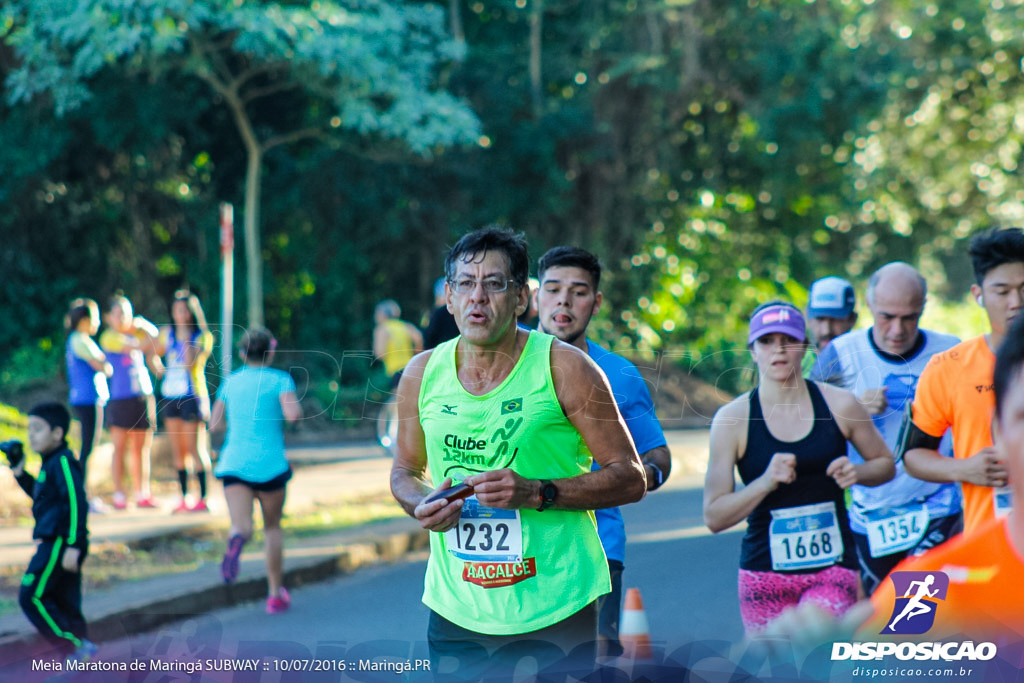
{"points": [[145, 502], [199, 507], [119, 501], [229, 565], [182, 506], [279, 603]]}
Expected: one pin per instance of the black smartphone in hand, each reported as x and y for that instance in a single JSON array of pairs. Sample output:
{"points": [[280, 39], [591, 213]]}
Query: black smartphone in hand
{"points": [[454, 493]]}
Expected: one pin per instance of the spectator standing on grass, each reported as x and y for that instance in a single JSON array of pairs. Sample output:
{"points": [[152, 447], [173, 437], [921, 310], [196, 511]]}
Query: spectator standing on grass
{"points": [[185, 345], [51, 591], [88, 370], [131, 412]]}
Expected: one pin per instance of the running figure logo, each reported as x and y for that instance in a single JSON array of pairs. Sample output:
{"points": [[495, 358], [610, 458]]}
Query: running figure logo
{"points": [[917, 596]]}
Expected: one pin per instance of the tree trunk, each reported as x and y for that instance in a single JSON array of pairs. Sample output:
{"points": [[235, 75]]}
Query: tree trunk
{"points": [[253, 251], [455, 21], [690, 69], [536, 44], [143, 289], [251, 217]]}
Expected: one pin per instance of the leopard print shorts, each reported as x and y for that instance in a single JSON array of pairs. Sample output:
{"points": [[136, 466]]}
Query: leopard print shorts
{"points": [[764, 595]]}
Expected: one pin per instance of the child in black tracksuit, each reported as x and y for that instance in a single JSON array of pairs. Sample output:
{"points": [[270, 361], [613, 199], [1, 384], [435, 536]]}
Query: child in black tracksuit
{"points": [[51, 591]]}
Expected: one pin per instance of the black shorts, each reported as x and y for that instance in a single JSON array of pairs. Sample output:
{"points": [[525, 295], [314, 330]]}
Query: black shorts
{"points": [[275, 484], [873, 570], [184, 408], [609, 607], [560, 650], [136, 413]]}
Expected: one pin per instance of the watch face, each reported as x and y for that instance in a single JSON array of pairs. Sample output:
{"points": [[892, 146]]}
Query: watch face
{"points": [[549, 491]]}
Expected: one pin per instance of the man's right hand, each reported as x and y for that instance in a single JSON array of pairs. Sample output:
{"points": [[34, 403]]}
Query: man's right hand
{"points": [[984, 468], [874, 401], [14, 451], [781, 470], [439, 515]]}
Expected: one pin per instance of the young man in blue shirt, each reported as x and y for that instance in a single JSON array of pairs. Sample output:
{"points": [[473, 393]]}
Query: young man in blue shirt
{"points": [[567, 299]]}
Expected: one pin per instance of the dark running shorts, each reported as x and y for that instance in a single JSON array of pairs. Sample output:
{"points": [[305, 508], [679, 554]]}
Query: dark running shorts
{"points": [[136, 413], [873, 570], [275, 484], [184, 408]]}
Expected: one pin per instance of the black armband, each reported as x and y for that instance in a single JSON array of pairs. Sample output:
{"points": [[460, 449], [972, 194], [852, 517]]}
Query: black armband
{"points": [[911, 436]]}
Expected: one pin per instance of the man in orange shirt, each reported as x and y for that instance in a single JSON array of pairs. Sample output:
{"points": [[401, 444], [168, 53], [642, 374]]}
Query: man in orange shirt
{"points": [[985, 568], [955, 390]]}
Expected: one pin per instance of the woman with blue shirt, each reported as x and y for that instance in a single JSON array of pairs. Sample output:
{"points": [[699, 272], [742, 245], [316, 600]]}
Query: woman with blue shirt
{"points": [[253, 404], [88, 370]]}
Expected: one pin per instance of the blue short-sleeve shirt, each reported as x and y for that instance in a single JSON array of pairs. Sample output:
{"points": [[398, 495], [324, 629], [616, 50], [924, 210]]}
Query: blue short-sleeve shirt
{"points": [[637, 408]]}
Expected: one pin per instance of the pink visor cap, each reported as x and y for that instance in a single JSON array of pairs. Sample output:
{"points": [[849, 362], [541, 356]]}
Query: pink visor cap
{"points": [[779, 318]]}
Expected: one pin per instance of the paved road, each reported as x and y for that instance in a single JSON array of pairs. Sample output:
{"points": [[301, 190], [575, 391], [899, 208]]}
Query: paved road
{"points": [[687, 579]]}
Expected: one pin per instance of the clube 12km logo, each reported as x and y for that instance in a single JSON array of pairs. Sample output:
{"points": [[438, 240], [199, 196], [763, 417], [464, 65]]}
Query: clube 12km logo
{"points": [[919, 597]]}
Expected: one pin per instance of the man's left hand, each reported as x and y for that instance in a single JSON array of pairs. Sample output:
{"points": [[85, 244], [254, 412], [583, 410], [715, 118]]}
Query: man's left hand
{"points": [[505, 489]]}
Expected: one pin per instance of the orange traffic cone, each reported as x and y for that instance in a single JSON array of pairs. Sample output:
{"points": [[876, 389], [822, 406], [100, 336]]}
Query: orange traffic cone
{"points": [[633, 631]]}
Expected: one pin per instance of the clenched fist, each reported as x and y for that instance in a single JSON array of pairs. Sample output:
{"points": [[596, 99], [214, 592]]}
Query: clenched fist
{"points": [[781, 470], [843, 471]]}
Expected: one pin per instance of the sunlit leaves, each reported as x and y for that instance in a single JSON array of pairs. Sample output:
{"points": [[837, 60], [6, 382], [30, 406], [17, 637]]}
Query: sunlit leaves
{"points": [[376, 62]]}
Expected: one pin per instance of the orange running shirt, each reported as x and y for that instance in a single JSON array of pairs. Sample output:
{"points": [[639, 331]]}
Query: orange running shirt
{"points": [[986, 587], [955, 390]]}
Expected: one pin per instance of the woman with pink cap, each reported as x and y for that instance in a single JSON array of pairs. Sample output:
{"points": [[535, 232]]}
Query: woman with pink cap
{"points": [[787, 438]]}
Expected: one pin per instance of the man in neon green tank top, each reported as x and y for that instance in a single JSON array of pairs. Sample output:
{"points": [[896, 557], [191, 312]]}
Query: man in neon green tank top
{"points": [[516, 568]]}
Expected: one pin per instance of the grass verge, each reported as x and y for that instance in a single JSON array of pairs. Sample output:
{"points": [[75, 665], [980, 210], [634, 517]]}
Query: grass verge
{"points": [[109, 564]]}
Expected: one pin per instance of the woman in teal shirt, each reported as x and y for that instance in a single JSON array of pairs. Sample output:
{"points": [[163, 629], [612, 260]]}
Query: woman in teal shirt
{"points": [[253, 404]]}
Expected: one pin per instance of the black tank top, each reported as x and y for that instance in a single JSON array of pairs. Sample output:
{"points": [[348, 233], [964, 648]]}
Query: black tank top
{"points": [[813, 453]]}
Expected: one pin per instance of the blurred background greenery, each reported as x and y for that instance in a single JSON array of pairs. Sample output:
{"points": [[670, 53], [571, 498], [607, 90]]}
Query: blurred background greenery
{"points": [[715, 153]]}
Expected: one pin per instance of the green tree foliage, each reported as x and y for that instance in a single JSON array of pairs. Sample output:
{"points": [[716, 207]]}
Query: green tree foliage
{"points": [[942, 158], [365, 67], [715, 154]]}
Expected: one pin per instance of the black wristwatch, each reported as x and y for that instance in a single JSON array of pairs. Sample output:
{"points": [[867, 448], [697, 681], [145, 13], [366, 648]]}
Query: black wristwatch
{"points": [[548, 491], [659, 476]]}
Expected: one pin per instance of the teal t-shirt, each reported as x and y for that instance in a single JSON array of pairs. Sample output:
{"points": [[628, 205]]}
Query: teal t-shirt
{"points": [[254, 445]]}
